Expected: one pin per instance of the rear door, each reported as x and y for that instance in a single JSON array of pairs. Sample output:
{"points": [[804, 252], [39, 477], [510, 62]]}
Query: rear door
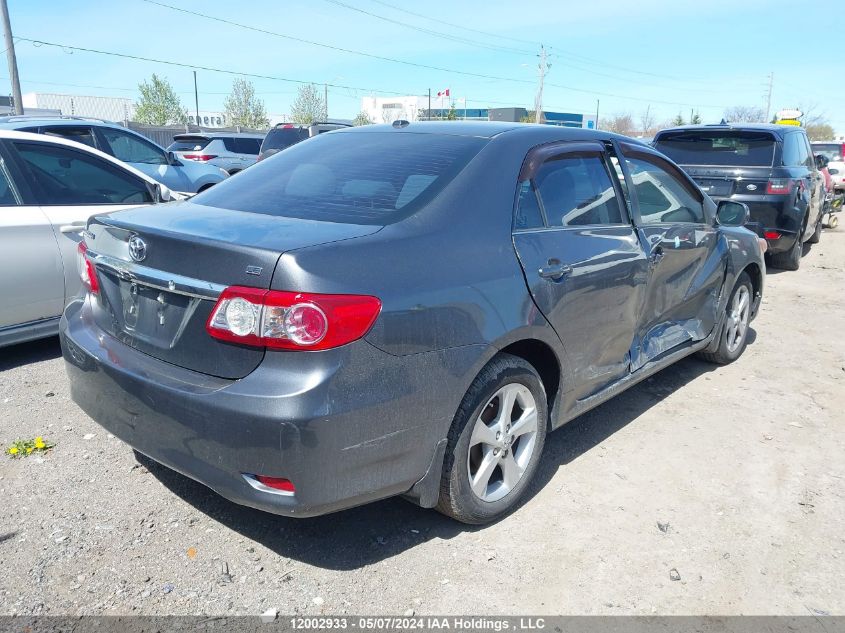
{"points": [[582, 258], [685, 268], [31, 269], [69, 186]]}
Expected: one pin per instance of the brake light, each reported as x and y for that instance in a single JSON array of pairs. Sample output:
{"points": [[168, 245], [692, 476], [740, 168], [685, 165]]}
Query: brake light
{"points": [[291, 320], [779, 186], [771, 235], [198, 157], [87, 272], [279, 483], [287, 126]]}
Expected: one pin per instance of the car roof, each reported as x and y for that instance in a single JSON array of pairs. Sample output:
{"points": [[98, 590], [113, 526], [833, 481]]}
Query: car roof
{"points": [[18, 121], [489, 129], [214, 135], [57, 140], [749, 127]]}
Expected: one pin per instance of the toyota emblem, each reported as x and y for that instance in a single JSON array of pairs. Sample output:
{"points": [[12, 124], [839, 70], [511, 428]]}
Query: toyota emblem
{"points": [[137, 248]]}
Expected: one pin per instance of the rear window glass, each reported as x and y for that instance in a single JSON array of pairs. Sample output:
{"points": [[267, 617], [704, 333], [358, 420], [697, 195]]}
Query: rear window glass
{"points": [[831, 151], [188, 144], [718, 148], [363, 178], [281, 138]]}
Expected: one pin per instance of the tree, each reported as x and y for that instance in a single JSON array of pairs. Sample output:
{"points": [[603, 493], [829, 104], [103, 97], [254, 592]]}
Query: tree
{"points": [[696, 119], [531, 117], [820, 131], [620, 124], [243, 108], [309, 106], [452, 115], [647, 122], [362, 118], [159, 104], [745, 114], [679, 120]]}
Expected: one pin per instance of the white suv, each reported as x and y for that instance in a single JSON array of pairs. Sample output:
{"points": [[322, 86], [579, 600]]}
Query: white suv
{"points": [[230, 151], [834, 151]]}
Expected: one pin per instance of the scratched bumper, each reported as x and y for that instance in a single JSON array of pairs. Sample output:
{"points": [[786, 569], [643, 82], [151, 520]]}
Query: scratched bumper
{"points": [[346, 426]]}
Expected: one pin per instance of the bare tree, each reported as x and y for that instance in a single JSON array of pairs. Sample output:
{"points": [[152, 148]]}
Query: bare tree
{"points": [[362, 118], [745, 114], [620, 124], [647, 122]]}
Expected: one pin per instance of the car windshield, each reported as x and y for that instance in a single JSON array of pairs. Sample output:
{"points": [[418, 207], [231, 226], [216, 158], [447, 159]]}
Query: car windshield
{"points": [[719, 147], [188, 144], [357, 178], [831, 151]]}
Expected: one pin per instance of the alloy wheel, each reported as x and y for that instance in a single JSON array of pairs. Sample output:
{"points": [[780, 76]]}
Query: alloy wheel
{"points": [[737, 324]]}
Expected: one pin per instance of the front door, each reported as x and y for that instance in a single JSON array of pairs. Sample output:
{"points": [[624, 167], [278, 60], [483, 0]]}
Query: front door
{"points": [[685, 265], [583, 261]]}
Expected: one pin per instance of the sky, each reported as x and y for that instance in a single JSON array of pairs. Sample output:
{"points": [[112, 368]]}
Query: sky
{"points": [[667, 56]]}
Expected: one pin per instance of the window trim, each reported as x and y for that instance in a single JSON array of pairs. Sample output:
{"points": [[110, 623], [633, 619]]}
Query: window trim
{"points": [[40, 197], [540, 155]]}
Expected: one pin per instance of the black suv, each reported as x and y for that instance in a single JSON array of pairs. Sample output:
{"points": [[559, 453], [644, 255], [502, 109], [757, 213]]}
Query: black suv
{"points": [[769, 167], [283, 135]]}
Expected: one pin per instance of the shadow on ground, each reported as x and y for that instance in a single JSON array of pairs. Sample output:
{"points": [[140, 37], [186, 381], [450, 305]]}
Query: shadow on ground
{"points": [[32, 352], [371, 533]]}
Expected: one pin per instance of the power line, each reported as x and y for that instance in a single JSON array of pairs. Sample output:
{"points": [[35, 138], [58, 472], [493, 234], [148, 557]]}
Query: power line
{"points": [[439, 34]]}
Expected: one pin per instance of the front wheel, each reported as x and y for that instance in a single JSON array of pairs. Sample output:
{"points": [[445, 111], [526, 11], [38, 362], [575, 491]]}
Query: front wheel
{"points": [[734, 336], [817, 233], [495, 442]]}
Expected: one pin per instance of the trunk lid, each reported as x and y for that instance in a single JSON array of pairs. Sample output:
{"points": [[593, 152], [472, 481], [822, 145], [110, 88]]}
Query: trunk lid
{"points": [[723, 182], [162, 268]]}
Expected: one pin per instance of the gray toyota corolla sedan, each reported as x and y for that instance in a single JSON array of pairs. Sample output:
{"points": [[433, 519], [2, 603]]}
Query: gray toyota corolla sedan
{"points": [[402, 310]]}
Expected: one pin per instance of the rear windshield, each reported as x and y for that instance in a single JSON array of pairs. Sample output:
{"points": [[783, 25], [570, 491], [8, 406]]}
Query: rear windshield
{"points": [[281, 138], [189, 144], [359, 178], [831, 151], [747, 149]]}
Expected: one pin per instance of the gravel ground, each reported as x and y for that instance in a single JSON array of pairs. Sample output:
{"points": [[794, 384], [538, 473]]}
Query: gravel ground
{"points": [[702, 490]]}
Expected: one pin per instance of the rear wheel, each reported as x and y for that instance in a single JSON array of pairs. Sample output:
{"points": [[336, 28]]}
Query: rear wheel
{"points": [[734, 335], [495, 442], [791, 259]]}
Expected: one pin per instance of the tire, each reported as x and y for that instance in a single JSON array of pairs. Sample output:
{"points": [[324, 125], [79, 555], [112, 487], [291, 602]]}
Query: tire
{"points": [[817, 233], [791, 259], [506, 379], [737, 316]]}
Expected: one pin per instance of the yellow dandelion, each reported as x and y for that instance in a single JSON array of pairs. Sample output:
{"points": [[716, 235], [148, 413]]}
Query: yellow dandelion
{"points": [[28, 450], [13, 450], [39, 442]]}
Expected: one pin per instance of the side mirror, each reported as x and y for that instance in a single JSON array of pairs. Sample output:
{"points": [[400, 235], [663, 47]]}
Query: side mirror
{"points": [[173, 160], [155, 191], [730, 213]]}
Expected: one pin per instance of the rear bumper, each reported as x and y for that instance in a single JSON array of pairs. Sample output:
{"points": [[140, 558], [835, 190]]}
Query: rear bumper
{"points": [[346, 426], [773, 213]]}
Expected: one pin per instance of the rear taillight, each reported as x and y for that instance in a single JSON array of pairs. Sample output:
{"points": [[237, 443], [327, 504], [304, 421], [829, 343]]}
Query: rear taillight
{"points": [[87, 273], [199, 157], [278, 483], [779, 186], [771, 235], [291, 320]]}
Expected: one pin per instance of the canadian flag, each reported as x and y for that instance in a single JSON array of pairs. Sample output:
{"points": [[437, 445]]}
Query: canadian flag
{"points": [[443, 93]]}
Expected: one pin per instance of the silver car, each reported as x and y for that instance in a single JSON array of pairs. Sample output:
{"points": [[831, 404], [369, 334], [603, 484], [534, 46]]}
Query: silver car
{"points": [[49, 187], [230, 151]]}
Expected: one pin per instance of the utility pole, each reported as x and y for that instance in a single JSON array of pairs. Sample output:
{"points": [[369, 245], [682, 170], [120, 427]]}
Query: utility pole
{"points": [[428, 114], [769, 95], [538, 101], [196, 99], [326, 99], [597, 114], [10, 56]]}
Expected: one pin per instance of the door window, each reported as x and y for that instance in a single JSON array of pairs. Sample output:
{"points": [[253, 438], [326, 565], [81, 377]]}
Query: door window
{"points": [[81, 134], [662, 196], [569, 190], [65, 176], [131, 148]]}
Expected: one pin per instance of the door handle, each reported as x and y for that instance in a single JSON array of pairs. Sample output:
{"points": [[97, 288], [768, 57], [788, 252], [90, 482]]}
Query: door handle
{"points": [[657, 256], [555, 270], [73, 227]]}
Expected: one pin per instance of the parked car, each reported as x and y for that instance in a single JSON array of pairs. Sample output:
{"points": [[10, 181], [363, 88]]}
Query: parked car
{"points": [[834, 151], [402, 310], [230, 151], [48, 189], [283, 135], [771, 168], [126, 145]]}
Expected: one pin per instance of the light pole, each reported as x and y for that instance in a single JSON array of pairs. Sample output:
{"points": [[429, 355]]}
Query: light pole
{"points": [[10, 56]]}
